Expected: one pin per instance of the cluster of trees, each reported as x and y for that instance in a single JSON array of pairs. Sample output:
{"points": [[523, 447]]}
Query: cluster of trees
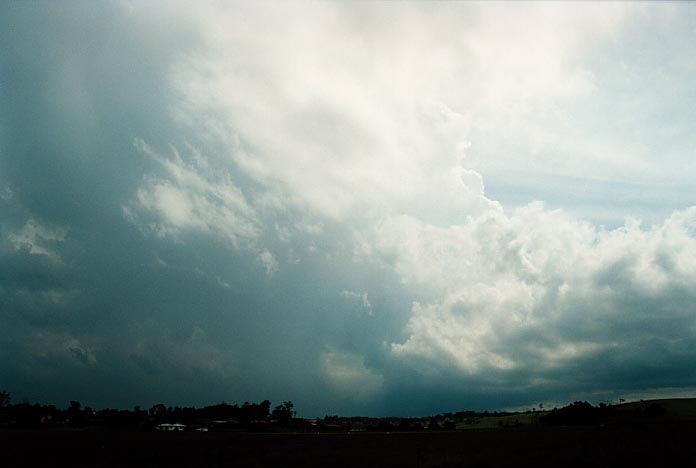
{"points": [[257, 415], [75, 415], [579, 413], [246, 413], [440, 421]]}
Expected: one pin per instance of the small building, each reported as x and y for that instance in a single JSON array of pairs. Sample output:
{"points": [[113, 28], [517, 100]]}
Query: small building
{"points": [[171, 427]]}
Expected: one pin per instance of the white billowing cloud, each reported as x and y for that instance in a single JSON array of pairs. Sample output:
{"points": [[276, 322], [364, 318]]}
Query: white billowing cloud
{"points": [[37, 238], [360, 298], [345, 119], [268, 261], [367, 110], [192, 196], [196, 195], [539, 289], [332, 112]]}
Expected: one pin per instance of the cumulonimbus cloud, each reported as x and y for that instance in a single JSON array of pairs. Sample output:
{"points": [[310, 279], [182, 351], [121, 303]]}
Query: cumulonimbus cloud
{"points": [[308, 184], [376, 139]]}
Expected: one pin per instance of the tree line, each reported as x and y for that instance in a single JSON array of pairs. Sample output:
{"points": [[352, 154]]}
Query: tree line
{"points": [[222, 415], [260, 416]]}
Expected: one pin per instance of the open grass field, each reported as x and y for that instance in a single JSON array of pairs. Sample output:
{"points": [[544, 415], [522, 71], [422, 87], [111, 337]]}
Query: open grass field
{"points": [[668, 440], [657, 445]]}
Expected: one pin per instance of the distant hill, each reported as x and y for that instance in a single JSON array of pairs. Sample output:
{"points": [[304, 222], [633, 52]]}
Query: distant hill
{"points": [[579, 413], [675, 409]]}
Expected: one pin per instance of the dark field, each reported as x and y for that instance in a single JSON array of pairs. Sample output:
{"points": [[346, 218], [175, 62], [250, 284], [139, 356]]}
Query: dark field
{"points": [[653, 444]]}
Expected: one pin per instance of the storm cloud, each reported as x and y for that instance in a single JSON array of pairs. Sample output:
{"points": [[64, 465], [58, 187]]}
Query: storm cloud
{"points": [[291, 201]]}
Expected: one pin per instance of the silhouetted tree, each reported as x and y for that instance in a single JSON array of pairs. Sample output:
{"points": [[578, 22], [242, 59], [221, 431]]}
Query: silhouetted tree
{"points": [[264, 409], [577, 413], [75, 414], [140, 415], [283, 413], [158, 412]]}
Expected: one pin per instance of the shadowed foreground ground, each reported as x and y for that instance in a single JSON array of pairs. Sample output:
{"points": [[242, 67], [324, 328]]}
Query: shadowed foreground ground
{"points": [[632, 445]]}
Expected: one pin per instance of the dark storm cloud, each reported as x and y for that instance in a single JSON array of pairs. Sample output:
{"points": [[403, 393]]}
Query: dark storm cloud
{"points": [[84, 309]]}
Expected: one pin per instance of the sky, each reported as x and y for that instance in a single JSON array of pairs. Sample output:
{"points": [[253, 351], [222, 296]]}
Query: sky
{"points": [[374, 208]]}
